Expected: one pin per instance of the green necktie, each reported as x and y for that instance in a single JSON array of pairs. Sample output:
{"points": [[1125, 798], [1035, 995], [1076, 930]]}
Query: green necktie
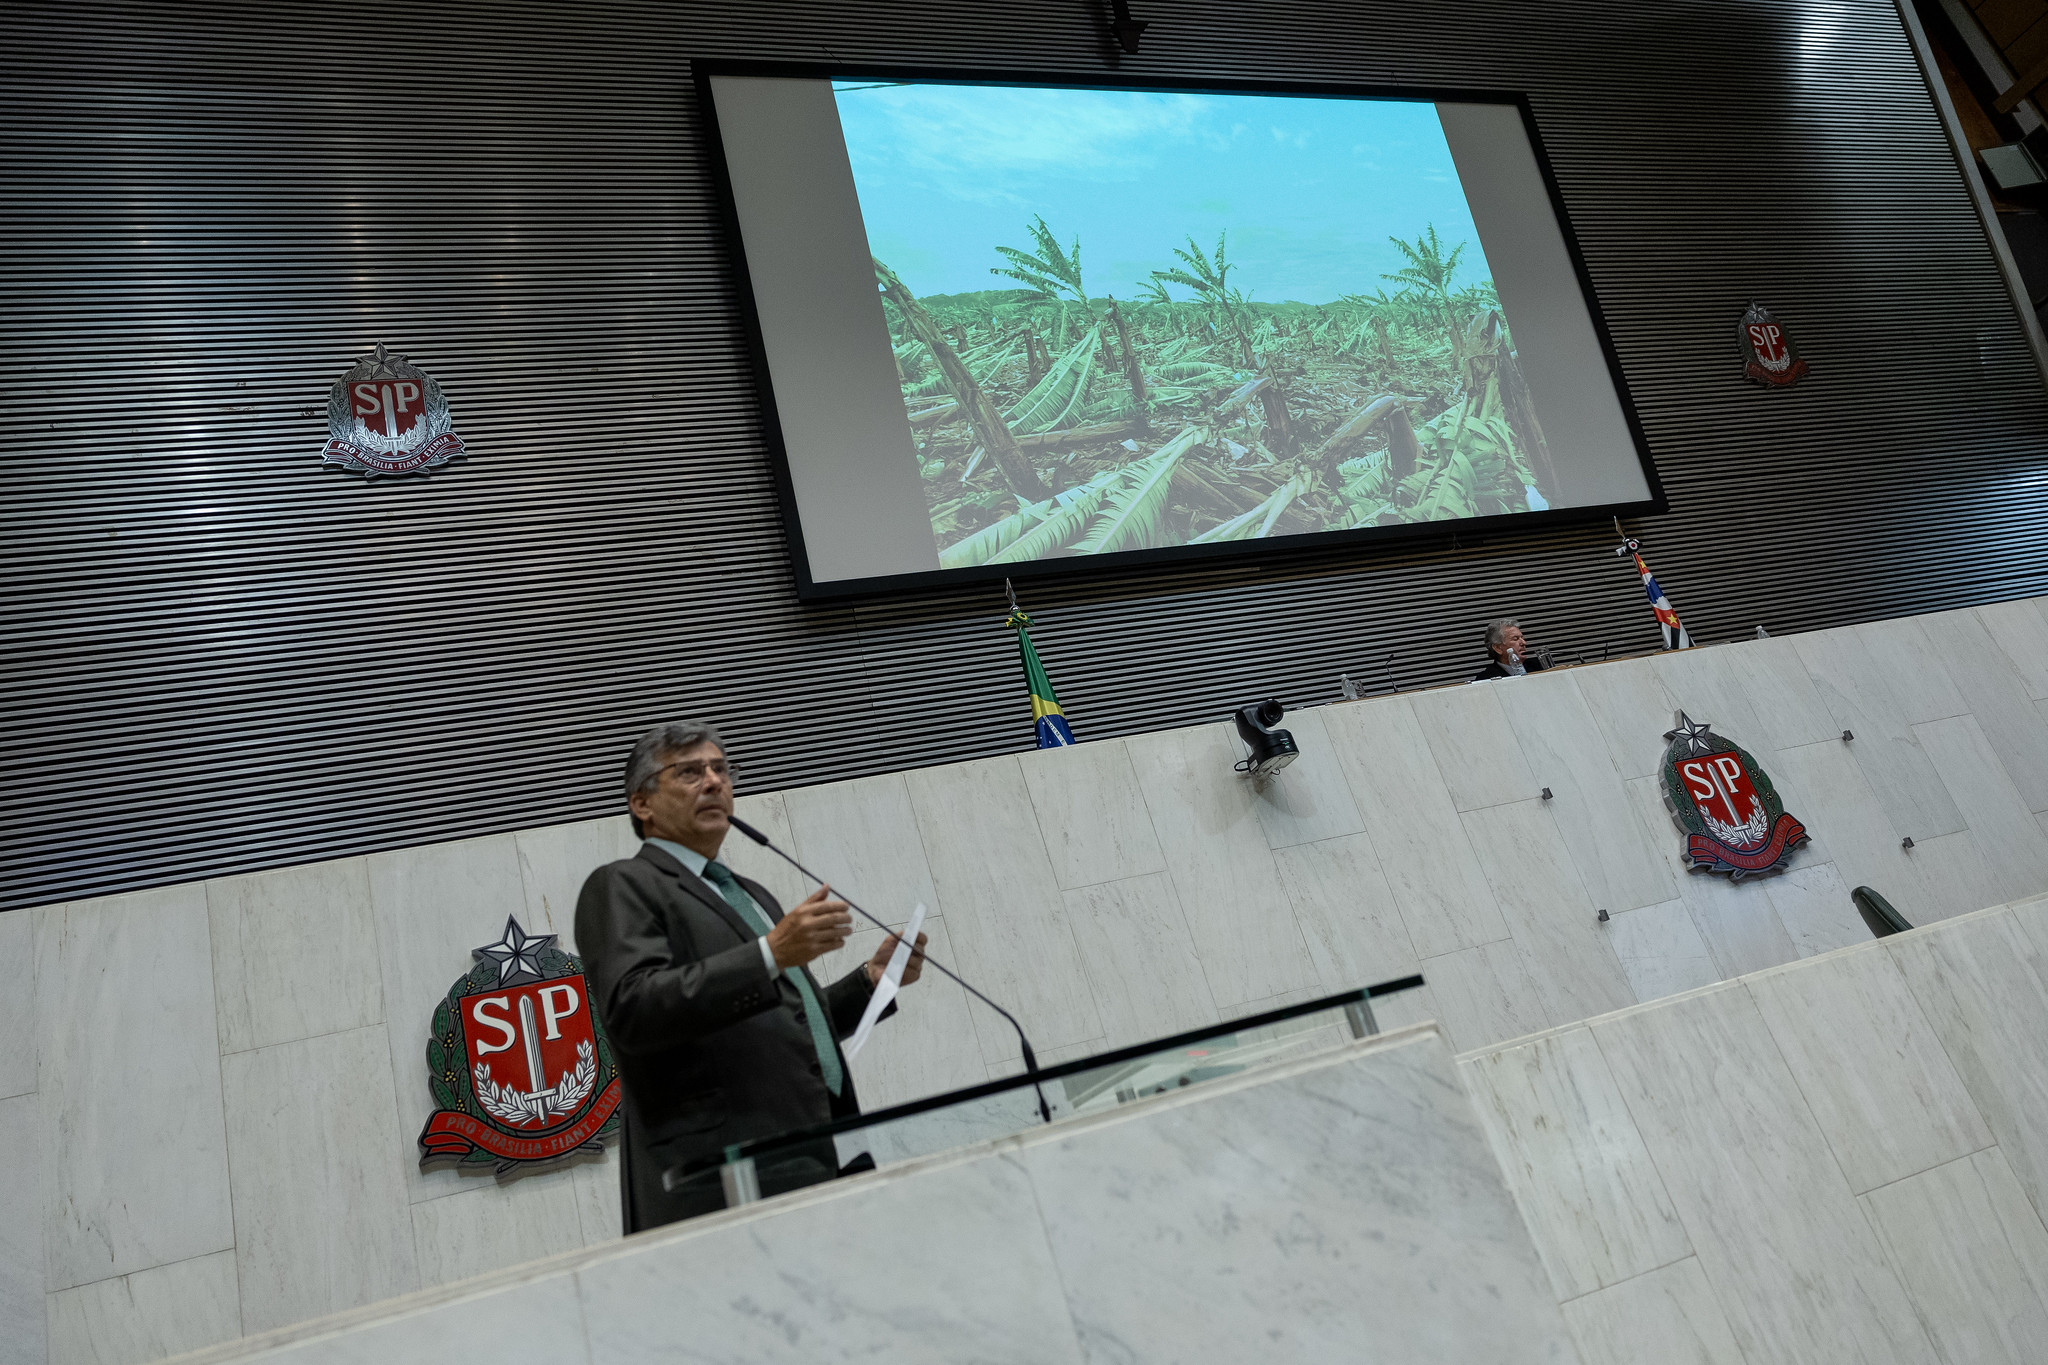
{"points": [[720, 876]]}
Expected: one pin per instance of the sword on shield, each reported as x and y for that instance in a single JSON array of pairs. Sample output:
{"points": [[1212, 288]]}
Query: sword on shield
{"points": [[537, 1098]]}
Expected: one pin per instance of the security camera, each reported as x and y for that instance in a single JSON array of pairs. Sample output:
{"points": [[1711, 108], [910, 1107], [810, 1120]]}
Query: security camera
{"points": [[1272, 749]]}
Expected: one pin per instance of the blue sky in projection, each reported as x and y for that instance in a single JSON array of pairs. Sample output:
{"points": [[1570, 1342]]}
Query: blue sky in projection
{"points": [[1309, 190]]}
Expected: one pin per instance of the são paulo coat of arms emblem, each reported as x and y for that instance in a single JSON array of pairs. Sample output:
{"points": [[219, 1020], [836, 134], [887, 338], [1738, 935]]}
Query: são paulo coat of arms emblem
{"points": [[388, 416], [1767, 351], [518, 1063], [1730, 812]]}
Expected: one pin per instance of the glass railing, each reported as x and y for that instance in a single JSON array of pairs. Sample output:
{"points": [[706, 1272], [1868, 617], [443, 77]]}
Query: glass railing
{"points": [[1014, 1104]]}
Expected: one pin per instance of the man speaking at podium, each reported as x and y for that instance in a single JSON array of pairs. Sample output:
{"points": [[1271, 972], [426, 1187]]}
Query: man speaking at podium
{"points": [[722, 1033]]}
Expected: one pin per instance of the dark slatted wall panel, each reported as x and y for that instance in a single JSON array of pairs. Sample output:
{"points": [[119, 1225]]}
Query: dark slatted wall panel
{"points": [[219, 657]]}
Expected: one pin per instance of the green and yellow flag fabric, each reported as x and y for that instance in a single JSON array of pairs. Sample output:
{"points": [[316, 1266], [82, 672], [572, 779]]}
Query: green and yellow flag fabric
{"points": [[1046, 716]]}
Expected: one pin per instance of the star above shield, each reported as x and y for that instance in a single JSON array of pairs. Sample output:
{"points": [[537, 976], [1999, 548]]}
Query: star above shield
{"points": [[1698, 735], [517, 953]]}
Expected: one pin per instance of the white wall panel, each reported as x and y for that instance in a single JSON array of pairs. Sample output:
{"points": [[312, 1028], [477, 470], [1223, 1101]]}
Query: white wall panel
{"points": [[129, 1046], [294, 954]]}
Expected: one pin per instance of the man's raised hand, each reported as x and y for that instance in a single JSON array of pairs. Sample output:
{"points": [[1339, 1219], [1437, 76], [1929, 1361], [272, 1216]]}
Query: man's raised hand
{"points": [[815, 926]]}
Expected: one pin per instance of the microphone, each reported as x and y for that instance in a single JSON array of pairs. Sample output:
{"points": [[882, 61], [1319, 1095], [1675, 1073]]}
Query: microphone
{"points": [[1030, 1059]]}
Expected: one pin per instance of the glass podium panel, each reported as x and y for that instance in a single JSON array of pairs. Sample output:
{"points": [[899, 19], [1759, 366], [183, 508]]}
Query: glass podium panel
{"points": [[1021, 1103]]}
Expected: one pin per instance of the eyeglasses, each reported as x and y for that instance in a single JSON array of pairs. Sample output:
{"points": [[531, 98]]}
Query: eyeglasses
{"points": [[693, 772]]}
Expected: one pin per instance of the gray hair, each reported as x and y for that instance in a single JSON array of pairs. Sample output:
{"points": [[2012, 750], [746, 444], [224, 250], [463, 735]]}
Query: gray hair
{"points": [[1496, 631], [650, 754]]}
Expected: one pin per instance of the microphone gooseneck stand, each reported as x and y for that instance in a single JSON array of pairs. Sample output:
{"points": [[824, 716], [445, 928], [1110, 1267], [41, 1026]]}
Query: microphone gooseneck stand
{"points": [[1030, 1059]]}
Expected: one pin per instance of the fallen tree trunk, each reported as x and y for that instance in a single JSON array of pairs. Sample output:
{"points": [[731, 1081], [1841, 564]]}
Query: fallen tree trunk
{"points": [[981, 411], [1078, 436]]}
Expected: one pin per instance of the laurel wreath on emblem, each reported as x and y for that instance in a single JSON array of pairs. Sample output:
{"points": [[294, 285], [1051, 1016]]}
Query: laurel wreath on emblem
{"points": [[1749, 833], [501, 1102], [455, 1088]]}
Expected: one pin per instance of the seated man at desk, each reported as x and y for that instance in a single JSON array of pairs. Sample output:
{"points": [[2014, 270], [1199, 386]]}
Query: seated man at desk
{"points": [[1511, 657]]}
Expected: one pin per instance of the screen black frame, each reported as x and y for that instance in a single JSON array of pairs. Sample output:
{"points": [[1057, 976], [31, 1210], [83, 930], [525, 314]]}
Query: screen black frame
{"points": [[1364, 538]]}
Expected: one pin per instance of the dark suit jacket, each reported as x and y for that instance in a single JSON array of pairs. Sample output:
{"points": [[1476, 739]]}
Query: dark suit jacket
{"points": [[712, 1050], [1496, 669]]}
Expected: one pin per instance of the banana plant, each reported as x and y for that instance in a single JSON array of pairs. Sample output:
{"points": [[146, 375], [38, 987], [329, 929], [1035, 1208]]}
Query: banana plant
{"points": [[1054, 399], [1076, 506], [1134, 508]]}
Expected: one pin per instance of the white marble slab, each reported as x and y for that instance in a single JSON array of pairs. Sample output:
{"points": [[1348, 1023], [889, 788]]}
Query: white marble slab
{"points": [[1826, 788], [598, 1203], [126, 1037], [1858, 692], [948, 1265], [1443, 896], [1474, 747], [538, 1320], [1004, 913], [1140, 959], [1223, 871], [434, 906], [22, 1320], [1309, 799], [1709, 685], [553, 864], [294, 954], [1594, 1202], [1402, 1009], [1772, 1220], [1973, 1256], [863, 838], [1957, 874], [1867, 1060], [1632, 707], [320, 1160], [1998, 697], [1599, 822], [2032, 916], [1091, 813], [163, 1311], [1484, 995], [1984, 985], [1915, 669], [489, 1227], [1555, 924], [1814, 905], [1736, 920], [2014, 847], [1788, 708], [18, 1002], [2020, 629], [1661, 950], [1345, 1201], [1665, 1317], [1346, 911]]}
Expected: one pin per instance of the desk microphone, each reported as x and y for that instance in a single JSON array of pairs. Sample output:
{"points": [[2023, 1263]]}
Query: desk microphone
{"points": [[1030, 1059]]}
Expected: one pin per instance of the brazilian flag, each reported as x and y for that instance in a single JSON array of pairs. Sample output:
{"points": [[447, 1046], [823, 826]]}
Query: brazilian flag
{"points": [[1045, 707]]}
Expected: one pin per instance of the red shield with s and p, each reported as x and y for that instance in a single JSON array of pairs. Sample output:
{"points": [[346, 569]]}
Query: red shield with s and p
{"points": [[391, 407], [532, 1051], [1726, 799]]}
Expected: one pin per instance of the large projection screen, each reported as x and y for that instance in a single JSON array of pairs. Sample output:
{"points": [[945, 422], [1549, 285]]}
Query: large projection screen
{"points": [[1011, 328]]}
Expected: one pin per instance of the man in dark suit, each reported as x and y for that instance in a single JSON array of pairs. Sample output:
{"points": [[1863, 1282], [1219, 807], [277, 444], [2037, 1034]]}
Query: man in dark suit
{"points": [[721, 1032], [1510, 654]]}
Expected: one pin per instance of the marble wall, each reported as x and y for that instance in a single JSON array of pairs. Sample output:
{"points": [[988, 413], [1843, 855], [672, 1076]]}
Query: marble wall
{"points": [[220, 1105], [1843, 1159], [1293, 1214]]}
